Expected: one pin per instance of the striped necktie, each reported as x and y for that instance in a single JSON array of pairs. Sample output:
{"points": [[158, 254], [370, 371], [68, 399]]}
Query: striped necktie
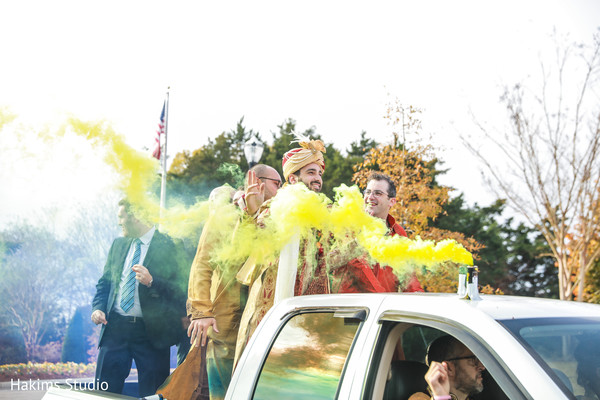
{"points": [[128, 286]]}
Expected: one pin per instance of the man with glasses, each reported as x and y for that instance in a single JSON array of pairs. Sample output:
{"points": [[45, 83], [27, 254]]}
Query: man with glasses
{"points": [[214, 294], [358, 276], [380, 196], [262, 183], [454, 371]]}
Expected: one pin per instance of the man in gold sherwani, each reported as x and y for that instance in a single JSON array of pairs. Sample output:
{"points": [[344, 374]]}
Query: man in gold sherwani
{"points": [[214, 295]]}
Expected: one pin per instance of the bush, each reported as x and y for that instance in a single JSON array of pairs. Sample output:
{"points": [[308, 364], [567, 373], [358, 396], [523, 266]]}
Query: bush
{"points": [[12, 348], [49, 352], [46, 371]]}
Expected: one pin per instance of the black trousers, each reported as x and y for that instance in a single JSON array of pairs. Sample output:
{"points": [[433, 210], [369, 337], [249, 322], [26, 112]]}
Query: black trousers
{"points": [[124, 340]]}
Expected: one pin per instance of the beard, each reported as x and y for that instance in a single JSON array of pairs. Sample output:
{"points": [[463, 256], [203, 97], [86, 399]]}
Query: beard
{"points": [[469, 385], [315, 185]]}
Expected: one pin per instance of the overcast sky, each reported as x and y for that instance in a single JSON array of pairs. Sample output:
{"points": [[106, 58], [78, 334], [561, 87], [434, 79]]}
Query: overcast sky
{"points": [[329, 64]]}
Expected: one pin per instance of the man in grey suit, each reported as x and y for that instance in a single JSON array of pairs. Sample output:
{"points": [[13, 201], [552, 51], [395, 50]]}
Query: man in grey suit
{"points": [[140, 302]]}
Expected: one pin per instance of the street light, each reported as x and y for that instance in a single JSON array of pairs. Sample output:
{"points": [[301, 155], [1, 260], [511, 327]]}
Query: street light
{"points": [[253, 150]]}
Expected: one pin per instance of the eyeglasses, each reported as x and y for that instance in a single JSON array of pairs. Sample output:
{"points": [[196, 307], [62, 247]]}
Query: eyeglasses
{"points": [[376, 193], [277, 181], [472, 359]]}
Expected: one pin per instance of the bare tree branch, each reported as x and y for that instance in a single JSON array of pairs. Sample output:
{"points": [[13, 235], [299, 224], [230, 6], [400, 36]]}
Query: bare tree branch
{"points": [[551, 169]]}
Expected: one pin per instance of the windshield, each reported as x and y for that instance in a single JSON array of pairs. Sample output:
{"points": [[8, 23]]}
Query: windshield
{"points": [[568, 348]]}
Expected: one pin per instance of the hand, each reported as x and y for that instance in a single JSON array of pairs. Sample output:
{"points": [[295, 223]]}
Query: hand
{"points": [[255, 193], [142, 275], [199, 328], [98, 317], [437, 378]]}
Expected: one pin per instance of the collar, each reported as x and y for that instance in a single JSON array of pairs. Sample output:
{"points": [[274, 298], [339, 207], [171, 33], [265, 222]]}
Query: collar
{"points": [[147, 237], [390, 221], [394, 227]]}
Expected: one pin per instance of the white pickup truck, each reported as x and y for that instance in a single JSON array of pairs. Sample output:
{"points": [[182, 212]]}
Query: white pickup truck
{"points": [[373, 346]]}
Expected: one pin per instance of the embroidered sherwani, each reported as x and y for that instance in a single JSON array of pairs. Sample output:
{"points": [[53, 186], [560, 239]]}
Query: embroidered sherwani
{"points": [[311, 278]]}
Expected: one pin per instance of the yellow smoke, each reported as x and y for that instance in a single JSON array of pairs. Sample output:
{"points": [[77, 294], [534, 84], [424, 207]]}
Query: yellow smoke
{"points": [[138, 173], [296, 209], [6, 117], [397, 252]]}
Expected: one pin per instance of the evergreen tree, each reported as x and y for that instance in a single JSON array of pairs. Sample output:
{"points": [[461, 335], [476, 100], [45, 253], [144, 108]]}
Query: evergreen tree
{"points": [[194, 174], [75, 346], [512, 257]]}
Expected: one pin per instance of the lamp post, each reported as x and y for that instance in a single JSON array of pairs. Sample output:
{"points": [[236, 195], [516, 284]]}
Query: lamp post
{"points": [[253, 150]]}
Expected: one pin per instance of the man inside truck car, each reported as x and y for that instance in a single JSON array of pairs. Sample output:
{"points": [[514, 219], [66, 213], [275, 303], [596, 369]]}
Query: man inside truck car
{"points": [[454, 371]]}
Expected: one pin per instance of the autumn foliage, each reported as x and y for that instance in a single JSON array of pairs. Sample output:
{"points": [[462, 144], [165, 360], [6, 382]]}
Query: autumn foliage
{"points": [[419, 200]]}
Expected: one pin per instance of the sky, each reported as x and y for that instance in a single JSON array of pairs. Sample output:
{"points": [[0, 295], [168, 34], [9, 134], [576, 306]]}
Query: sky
{"points": [[334, 65]]}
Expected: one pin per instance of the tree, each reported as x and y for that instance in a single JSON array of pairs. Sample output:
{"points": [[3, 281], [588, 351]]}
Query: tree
{"points": [[338, 168], [31, 272], [194, 174], [512, 257], [359, 149], [419, 200], [75, 345], [551, 149], [47, 274]]}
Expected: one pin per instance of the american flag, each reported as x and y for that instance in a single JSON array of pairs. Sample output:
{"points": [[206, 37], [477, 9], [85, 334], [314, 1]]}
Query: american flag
{"points": [[160, 131]]}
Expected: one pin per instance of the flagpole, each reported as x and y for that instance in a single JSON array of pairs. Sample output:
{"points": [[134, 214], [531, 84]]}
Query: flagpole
{"points": [[163, 182]]}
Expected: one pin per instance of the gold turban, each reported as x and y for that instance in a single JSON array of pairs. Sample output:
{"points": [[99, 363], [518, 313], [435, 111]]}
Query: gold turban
{"points": [[310, 151]]}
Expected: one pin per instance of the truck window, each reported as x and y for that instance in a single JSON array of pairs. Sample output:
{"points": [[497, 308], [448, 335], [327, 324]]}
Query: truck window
{"points": [[307, 358], [401, 355]]}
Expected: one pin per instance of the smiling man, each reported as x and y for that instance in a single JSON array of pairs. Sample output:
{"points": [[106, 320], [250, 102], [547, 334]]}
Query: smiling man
{"points": [[305, 164], [357, 276], [454, 371], [380, 196]]}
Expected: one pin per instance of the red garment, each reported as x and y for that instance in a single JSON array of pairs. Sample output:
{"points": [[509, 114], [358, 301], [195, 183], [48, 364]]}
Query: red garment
{"points": [[413, 284], [359, 277], [395, 228]]}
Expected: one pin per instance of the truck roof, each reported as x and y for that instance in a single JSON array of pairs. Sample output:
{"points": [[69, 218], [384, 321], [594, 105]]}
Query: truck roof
{"points": [[498, 307]]}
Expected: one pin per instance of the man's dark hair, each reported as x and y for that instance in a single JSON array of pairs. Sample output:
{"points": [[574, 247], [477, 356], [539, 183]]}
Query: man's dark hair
{"points": [[442, 349], [125, 203], [378, 176], [131, 211]]}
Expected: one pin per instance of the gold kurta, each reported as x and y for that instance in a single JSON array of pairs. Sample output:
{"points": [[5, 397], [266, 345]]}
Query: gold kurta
{"points": [[214, 292]]}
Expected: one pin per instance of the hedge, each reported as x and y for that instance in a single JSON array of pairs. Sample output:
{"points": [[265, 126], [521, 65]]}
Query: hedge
{"points": [[46, 371]]}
